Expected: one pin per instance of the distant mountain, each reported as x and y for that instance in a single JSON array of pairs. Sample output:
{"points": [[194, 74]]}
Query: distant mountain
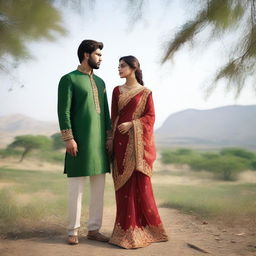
{"points": [[223, 126], [219, 127], [13, 125]]}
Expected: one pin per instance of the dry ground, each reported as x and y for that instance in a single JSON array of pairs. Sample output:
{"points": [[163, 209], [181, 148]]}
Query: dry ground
{"points": [[182, 230]]}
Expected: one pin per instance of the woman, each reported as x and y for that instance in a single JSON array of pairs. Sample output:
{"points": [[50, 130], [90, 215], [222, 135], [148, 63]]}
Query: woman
{"points": [[137, 221]]}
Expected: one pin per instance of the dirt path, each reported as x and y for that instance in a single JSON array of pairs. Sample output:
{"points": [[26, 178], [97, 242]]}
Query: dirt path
{"points": [[181, 228]]}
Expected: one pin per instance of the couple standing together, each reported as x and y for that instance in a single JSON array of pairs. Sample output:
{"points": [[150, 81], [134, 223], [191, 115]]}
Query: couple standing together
{"points": [[94, 140]]}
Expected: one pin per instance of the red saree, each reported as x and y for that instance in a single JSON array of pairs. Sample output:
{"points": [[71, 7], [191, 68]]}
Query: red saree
{"points": [[137, 220]]}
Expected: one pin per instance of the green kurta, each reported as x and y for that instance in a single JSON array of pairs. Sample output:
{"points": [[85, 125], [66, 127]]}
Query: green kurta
{"points": [[83, 113]]}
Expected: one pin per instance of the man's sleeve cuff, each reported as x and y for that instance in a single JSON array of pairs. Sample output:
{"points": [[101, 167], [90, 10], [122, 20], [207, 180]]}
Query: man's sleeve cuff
{"points": [[67, 134]]}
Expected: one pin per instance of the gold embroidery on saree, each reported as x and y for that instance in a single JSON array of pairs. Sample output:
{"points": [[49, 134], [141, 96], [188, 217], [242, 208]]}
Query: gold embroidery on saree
{"points": [[138, 143], [141, 106], [128, 164], [125, 97], [136, 237], [141, 164]]}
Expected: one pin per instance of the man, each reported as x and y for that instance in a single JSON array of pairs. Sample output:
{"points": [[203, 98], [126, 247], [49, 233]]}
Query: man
{"points": [[85, 127]]}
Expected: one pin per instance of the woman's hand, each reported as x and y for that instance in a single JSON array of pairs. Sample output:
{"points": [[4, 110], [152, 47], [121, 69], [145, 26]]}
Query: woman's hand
{"points": [[125, 127], [71, 147]]}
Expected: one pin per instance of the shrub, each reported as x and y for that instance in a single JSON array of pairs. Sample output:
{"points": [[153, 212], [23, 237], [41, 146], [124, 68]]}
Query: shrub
{"points": [[183, 151], [239, 152], [253, 165], [168, 157], [9, 152], [227, 167], [224, 166], [210, 155]]}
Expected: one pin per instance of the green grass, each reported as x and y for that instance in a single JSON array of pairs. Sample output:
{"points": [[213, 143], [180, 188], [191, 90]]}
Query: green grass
{"points": [[213, 200], [39, 209]]}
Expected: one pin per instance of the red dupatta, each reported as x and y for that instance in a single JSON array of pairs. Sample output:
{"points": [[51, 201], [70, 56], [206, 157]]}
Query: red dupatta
{"points": [[134, 150]]}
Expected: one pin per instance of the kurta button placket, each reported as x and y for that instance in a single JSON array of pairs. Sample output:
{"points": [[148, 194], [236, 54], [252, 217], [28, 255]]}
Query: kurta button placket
{"points": [[95, 94]]}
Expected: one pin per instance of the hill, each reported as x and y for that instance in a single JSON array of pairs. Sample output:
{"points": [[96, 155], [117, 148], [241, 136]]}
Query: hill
{"points": [[223, 126]]}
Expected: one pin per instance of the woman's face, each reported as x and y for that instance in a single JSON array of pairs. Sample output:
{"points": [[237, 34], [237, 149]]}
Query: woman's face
{"points": [[124, 69]]}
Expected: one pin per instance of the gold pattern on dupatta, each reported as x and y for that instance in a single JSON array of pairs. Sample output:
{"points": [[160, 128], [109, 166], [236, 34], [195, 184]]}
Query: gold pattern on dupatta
{"points": [[125, 97], [133, 158], [128, 163], [136, 237], [94, 88], [141, 164]]}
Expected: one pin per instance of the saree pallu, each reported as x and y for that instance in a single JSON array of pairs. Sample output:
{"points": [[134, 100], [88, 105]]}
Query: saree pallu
{"points": [[137, 221]]}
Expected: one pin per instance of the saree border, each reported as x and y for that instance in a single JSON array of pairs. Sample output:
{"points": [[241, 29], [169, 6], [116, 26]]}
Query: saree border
{"points": [[136, 237]]}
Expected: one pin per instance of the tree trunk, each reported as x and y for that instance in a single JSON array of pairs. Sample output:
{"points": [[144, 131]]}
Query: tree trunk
{"points": [[25, 152]]}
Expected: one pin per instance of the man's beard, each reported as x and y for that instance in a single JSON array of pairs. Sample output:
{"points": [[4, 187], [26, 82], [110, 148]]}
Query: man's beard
{"points": [[93, 64]]}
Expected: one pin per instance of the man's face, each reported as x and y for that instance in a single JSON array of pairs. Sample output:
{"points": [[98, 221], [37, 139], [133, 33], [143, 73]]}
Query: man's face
{"points": [[95, 59]]}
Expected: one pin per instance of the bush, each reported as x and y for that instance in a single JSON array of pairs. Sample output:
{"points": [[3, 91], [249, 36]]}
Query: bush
{"points": [[179, 156], [210, 155], [168, 157], [9, 152], [183, 151], [239, 152], [253, 165], [224, 165]]}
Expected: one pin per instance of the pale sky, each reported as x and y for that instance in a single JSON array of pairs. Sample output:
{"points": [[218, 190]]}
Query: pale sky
{"points": [[176, 86]]}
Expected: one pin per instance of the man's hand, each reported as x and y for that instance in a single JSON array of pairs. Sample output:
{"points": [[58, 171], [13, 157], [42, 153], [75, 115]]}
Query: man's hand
{"points": [[125, 127], [71, 147]]}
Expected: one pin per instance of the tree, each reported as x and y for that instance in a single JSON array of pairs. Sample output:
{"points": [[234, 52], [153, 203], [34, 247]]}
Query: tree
{"points": [[29, 143], [22, 21], [223, 17]]}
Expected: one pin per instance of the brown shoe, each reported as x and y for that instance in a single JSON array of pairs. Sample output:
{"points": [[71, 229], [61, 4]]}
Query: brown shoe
{"points": [[97, 236], [72, 240]]}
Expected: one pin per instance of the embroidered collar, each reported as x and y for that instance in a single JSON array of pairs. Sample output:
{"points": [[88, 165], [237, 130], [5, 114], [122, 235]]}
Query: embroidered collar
{"points": [[81, 69]]}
